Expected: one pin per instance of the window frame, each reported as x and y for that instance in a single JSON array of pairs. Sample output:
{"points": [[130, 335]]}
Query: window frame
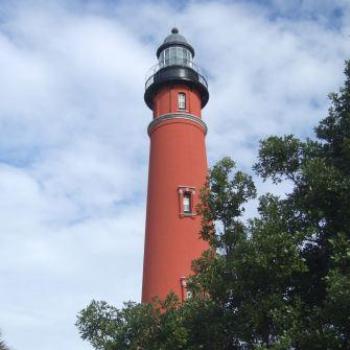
{"points": [[190, 192], [185, 293]]}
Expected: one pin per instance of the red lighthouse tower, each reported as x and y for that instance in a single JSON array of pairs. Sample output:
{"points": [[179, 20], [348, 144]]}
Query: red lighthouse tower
{"points": [[176, 92]]}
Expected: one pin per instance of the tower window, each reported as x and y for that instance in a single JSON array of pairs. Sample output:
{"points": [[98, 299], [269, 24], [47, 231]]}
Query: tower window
{"points": [[181, 100], [187, 202], [185, 293]]}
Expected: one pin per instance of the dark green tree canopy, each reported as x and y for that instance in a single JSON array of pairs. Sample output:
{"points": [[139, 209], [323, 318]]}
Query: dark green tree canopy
{"points": [[3, 346], [280, 280]]}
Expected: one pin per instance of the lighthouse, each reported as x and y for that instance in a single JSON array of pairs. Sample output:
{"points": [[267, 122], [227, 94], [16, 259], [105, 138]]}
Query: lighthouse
{"points": [[176, 91]]}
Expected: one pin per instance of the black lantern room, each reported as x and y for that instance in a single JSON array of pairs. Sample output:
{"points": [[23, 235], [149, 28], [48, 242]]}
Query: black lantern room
{"points": [[175, 65]]}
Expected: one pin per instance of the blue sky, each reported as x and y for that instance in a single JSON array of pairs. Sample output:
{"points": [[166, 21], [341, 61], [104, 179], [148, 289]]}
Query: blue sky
{"points": [[74, 146]]}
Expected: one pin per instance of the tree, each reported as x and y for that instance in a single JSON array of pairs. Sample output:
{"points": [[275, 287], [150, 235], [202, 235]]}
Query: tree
{"points": [[136, 326], [280, 280], [3, 346], [319, 207]]}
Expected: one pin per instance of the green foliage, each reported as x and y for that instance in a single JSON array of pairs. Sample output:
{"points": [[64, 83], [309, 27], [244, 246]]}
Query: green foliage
{"points": [[3, 346], [221, 204], [135, 327], [319, 208], [278, 281]]}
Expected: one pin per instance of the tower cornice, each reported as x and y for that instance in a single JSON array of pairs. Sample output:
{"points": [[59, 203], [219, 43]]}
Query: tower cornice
{"points": [[176, 116]]}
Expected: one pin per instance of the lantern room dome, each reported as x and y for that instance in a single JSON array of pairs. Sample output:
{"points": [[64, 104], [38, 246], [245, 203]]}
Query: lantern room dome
{"points": [[175, 39]]}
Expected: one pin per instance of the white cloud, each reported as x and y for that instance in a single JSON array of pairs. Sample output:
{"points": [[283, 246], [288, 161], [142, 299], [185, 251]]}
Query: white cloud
{"points": [[74, 148]]}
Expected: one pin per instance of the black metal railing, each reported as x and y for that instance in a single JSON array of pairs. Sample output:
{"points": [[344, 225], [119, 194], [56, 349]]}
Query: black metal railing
{"points": [[159, 66]]}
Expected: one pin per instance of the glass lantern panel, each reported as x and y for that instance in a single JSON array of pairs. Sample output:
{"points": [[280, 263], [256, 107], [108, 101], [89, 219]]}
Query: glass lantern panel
{"points": [[166, 57], [186, 55], [172, 55], [180, 55], [161, 59], [175, 55]]}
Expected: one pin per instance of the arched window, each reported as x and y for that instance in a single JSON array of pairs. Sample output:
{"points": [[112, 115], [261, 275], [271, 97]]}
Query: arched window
{"points": [[181, 101]]}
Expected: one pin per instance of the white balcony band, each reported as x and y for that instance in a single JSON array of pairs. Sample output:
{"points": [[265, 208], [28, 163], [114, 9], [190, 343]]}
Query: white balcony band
{"points": [[172, 116]]}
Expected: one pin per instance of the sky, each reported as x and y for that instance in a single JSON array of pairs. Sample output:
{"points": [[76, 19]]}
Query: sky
{"points": [[74, 146]]}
